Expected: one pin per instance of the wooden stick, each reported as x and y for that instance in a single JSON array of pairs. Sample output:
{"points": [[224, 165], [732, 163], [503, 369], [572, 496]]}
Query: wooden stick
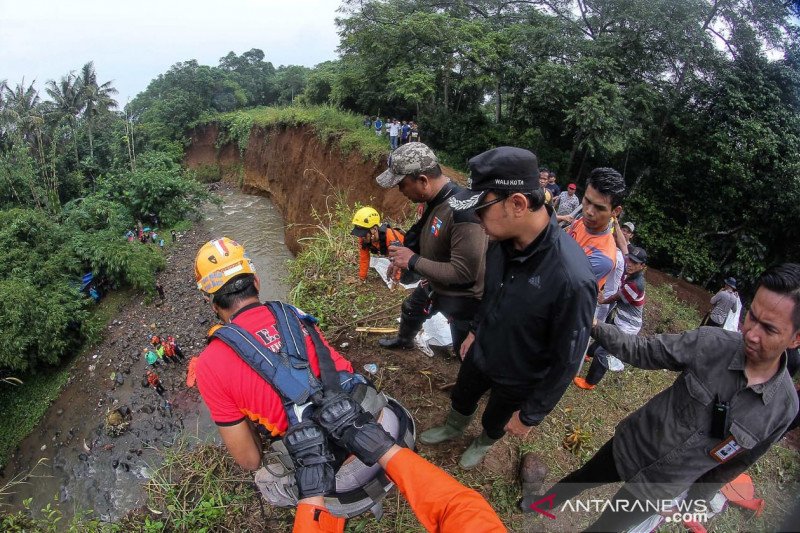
{"points": [[376, 330]]}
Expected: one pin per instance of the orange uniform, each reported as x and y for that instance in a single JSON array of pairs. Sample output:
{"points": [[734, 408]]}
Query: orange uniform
{"points": [[386, 237], [600, 249], [440, 503]]}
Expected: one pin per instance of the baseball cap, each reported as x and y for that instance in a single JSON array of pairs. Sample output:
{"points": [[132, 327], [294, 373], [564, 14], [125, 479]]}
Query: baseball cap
{"points": [[572, 186], [410, 158], [637, 254], [503, 168], [731, 282], [630, 226]]}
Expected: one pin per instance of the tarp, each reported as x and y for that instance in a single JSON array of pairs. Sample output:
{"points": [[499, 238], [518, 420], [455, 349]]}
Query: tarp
{"points": [[86, 280]]}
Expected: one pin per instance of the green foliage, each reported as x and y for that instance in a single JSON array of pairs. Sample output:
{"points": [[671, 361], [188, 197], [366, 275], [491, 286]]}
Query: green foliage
{"points": [[157, 187], [329, 123]]}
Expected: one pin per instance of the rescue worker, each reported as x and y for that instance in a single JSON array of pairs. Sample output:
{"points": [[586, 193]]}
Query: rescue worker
{"points": [[172, 349], [234, 378], [448, 249], [154, 382], [158, 346], [373, 238], [439, 502]]}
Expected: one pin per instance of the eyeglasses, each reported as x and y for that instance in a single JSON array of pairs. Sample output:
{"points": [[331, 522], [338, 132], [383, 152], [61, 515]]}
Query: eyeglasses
{"points": [[487, 204]]}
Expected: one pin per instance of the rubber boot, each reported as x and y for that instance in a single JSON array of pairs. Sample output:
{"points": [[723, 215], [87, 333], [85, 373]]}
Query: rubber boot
{"points": [[532, 472], [404, 339], [476, 452], [453, 427]]}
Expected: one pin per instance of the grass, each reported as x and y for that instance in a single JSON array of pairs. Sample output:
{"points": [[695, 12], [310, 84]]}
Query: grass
{"points": [[330, 124]]}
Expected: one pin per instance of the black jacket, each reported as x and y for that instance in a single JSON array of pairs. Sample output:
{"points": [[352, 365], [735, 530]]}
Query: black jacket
{"points": [[534, 322]]}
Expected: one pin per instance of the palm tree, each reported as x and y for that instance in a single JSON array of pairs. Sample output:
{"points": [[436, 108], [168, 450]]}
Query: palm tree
{"points": [[97, 99], [67, 104]]}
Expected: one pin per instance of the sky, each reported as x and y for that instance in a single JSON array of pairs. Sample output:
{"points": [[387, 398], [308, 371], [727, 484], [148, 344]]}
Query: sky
{"points": [[132, 42]]}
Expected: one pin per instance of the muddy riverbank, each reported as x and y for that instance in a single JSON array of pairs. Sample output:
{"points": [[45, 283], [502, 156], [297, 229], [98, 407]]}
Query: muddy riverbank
{"points": [[86, 468]]}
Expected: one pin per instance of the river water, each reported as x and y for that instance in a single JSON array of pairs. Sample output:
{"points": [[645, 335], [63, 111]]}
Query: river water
{"points": [[87, 470]]}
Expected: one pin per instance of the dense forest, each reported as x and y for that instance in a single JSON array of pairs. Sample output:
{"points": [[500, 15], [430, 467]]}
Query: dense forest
{"points": [[695, 101]]}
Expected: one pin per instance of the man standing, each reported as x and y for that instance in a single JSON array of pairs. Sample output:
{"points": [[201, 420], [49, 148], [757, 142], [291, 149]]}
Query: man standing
{"points": [[629, 315], [378, 126], [394, 131], [566, 204], [446, 248], [552, 186], [732, 400], [628, 229], [602, 200], [532, 328], [724, 302]]}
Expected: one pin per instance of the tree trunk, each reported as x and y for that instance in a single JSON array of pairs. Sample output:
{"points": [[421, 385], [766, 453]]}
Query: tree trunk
{"points": [[498, 108]]}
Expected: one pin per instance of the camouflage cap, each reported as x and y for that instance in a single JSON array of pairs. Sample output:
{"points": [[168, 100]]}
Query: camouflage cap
{"points": [[411, 158]]}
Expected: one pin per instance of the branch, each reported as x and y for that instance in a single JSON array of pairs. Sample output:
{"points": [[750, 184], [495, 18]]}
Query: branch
{"points": [[725, 232]]}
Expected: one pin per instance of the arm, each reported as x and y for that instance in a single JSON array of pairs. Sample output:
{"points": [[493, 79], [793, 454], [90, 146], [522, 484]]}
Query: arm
{"points": [[439, 502], [619, 238], [569, 338], [467, 248], [243, 444], [613, 298], [716, 298], [667, 351], [363, 260]]}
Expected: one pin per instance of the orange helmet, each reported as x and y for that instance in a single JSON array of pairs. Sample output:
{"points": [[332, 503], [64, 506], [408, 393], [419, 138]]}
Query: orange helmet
{"points": [[218, 261], [155, 339]]}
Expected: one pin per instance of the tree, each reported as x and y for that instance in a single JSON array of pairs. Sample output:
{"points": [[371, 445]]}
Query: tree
{"points": [[97, 99]]}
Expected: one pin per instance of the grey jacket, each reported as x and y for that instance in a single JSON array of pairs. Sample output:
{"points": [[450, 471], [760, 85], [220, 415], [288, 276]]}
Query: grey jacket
{"points": [[664, 447]]}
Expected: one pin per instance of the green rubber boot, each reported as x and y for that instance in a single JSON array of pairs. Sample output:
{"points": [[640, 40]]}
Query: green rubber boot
{"points": [[453, 427], [476, 452]]}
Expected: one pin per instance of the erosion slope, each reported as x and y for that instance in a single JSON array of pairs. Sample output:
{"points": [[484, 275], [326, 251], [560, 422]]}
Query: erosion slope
{"points": [[298, 171]]}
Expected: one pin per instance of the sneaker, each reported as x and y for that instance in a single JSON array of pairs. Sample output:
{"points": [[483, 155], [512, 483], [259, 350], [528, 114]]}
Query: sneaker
{"points": [[583, 384]]}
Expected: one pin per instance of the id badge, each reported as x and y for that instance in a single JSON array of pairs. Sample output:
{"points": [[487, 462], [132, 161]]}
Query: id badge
{"points": [[726, 450]]}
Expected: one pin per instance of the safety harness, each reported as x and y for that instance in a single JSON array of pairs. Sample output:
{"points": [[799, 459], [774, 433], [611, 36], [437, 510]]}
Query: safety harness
{"points": [[289, 373]]}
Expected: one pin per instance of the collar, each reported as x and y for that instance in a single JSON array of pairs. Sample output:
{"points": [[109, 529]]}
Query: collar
{"points": [[601, 232], [447, 190], [767, 389], [244, 309], [542, 242]]}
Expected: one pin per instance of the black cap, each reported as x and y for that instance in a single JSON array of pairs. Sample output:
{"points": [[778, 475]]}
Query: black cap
{"points": [[503, 168], [637, 254]]}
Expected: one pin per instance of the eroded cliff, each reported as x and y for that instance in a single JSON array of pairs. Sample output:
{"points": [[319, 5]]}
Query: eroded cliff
{"points": [[298, 172]]}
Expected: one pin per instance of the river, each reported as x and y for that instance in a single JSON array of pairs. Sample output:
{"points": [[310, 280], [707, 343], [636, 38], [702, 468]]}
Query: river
{"points": [[84, 468]]}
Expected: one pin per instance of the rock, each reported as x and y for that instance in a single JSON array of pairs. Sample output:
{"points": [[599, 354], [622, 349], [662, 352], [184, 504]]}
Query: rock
{"points": [[115, 464], [44, 447], [147, 409], [120, 379], [60, 412], [158, 426]]}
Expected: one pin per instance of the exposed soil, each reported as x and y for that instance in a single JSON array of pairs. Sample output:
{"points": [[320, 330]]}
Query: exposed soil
{"points": [[695, 296]]}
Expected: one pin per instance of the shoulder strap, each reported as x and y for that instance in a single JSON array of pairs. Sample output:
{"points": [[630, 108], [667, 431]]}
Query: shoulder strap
{"points": [[327, 368]]}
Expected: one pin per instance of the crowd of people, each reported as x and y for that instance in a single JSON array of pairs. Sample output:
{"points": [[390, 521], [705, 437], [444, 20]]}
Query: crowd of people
{"points": [[399, 132], [527, 276]]}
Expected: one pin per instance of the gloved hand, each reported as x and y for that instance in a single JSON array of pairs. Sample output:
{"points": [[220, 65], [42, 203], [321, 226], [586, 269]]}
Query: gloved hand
{"points": [[308, 448], [353, 428]]}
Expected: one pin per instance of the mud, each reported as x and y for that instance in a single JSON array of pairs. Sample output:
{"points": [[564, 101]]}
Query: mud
{"points": [[86, 468]]}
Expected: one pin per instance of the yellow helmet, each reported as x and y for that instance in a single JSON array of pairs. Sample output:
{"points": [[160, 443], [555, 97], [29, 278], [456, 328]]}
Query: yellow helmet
{"points": [[219, 261], [364, 219]]}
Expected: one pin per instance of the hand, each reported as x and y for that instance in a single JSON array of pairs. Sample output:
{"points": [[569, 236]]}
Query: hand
{"points": [[354, 429], [516, 427], [308, 448], [399, 256], [466, 345], [392, 271]]}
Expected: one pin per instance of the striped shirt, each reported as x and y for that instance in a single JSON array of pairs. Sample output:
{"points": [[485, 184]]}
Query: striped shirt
{"points": [[630, 307]]}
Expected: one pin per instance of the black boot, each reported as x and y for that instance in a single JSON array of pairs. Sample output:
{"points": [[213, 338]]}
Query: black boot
{"points": [[404, 339]]}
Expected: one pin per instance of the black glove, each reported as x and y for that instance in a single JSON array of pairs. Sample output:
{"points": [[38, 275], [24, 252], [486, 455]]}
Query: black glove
{"points": [[353, 428], [308, 448]]}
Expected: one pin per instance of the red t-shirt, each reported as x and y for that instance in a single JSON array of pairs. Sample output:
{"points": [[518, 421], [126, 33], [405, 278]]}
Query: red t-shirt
{"points": [[233, 391]]}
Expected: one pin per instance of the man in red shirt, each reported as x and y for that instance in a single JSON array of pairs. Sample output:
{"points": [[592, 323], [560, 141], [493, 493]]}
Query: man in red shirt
{"points": [[238, 398]]}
